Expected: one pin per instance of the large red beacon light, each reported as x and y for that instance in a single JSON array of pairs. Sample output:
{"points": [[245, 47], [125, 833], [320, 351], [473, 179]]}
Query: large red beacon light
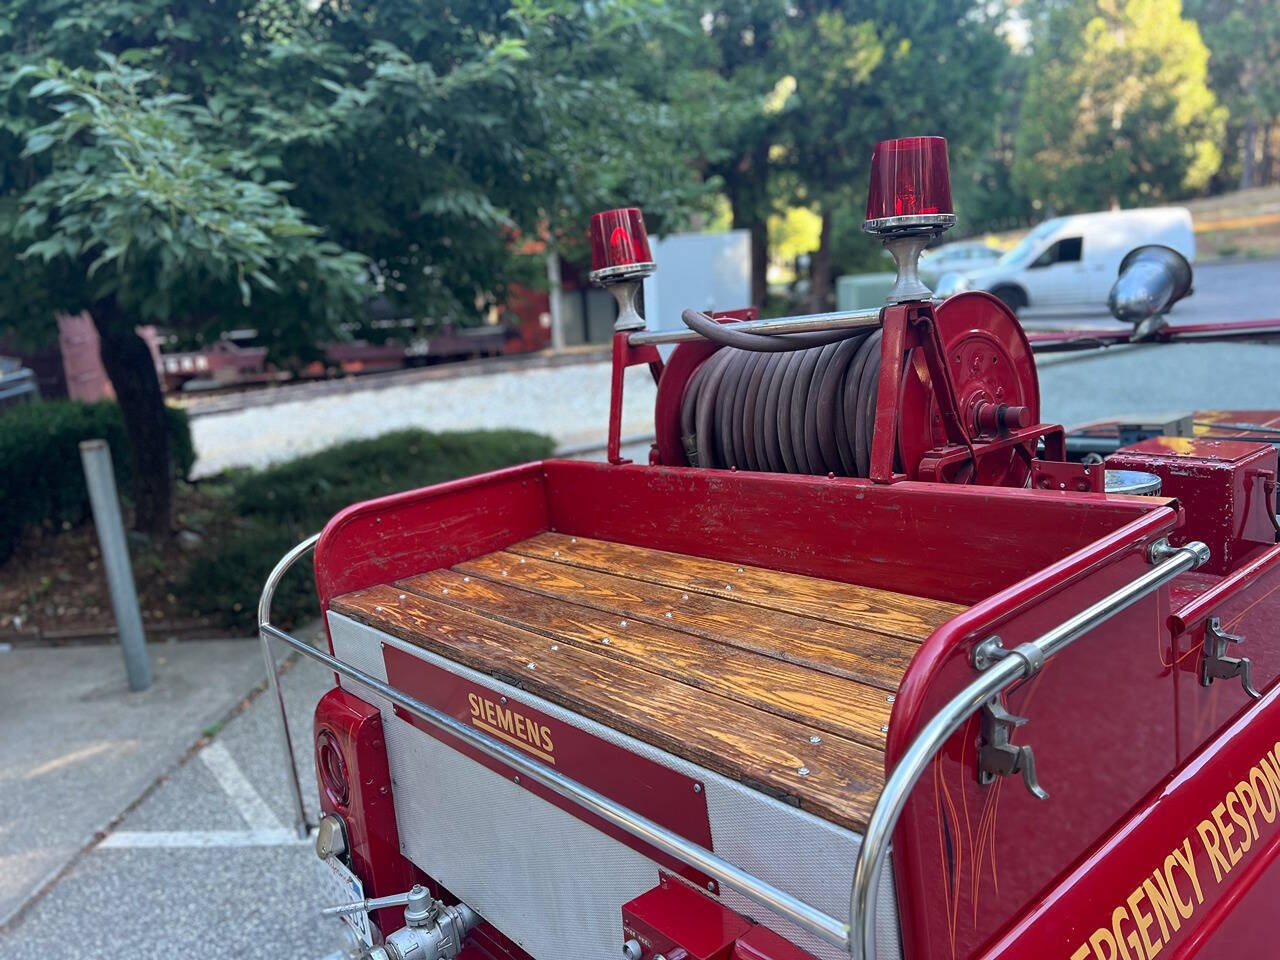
{"points": [[908, 205], [911, 178]]}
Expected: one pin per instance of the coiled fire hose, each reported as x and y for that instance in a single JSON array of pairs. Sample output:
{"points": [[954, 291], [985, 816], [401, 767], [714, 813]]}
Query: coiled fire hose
{"points": [[798, 403]]}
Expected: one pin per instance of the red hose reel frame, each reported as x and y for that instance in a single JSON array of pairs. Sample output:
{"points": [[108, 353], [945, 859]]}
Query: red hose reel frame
{"points": [[958, 397]]}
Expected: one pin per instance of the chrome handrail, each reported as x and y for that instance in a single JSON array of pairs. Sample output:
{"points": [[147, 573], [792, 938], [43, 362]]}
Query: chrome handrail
{"points": [[807, 323], [1019, 662], [273, 677], [858, 936], [802, 914]]}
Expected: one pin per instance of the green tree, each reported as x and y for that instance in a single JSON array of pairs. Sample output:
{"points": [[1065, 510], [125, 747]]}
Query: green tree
{"points": [[875, 71], [271, 164], [129, 215], [1244, 69], [1118, 110]]}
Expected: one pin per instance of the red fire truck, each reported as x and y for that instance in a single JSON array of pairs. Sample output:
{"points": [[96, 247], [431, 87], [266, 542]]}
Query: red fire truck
{"points": [[864, 662]]}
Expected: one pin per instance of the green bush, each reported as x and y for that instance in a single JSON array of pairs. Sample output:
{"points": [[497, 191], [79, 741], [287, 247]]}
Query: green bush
{"points": [[41, 479], [278, 506]]}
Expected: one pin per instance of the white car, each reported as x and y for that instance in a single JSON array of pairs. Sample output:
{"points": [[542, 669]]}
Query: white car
{"points": [[1073, 261], [962, 256]]}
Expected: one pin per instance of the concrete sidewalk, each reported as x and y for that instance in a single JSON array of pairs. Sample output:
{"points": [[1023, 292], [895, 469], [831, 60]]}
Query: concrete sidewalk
{"points": [[78, 749]]}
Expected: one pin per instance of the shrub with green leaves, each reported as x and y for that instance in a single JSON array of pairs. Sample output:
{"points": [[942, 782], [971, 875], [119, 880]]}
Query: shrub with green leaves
{"points": [[41, 479], [277, 507]]}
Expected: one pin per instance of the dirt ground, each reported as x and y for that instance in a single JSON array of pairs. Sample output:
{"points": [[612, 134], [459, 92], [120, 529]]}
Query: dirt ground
{"points": [[54, 589]]}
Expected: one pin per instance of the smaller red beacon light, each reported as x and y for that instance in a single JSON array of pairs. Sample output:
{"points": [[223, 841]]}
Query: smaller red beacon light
{"points": [[619, 246], [910, 185]]}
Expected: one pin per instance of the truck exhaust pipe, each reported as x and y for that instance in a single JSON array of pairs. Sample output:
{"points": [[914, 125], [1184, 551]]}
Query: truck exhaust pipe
{"points": [[1152, 279]]}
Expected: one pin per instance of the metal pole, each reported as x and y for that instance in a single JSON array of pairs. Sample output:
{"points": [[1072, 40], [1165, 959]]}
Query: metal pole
{"points": [[808, 323], [555, 300], [273, 678], [95, 456]]}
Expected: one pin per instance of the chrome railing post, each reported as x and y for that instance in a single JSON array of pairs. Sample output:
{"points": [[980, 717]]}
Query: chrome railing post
{"points": [[273, 676], [1169, 563]]}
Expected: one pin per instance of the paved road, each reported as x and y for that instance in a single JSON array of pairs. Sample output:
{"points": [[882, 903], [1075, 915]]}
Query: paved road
{"points": [[1171, 378], [204, 866]]}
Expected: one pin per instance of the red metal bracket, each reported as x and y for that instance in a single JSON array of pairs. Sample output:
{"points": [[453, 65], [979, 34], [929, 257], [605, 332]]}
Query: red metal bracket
{"points": [[1074, 477], [625, 355]]}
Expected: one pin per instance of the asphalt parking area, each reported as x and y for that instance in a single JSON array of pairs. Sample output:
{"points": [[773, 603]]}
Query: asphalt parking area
{"points": [[206, 864]]}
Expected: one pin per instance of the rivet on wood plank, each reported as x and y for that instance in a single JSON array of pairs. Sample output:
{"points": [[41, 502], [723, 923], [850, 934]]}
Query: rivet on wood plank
{"points": [[402, 596], [555, 646], [466, 579], [728, 586], [815, 739], [533, 666], [884, 729], [556, 553], [522, 559], [684, 596], [740, 570], [890, 698], [504, 573], [377, 609], [573, 539], [622, 624], [668, 614], [803, 771], [605, 640], [446, 590]]}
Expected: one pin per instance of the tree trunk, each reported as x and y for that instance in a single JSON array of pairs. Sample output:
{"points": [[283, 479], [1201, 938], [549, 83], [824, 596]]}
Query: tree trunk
{"points": [[747, 184], [1249, 155], [129, 364], [1267, 171], [820, 279]]}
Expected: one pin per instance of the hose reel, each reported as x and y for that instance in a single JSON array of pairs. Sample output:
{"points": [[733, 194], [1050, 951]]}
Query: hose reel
{"points": [[961, 402]]}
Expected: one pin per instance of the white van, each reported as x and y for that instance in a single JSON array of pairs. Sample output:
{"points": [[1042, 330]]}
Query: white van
{"points": [[1073, 261]]}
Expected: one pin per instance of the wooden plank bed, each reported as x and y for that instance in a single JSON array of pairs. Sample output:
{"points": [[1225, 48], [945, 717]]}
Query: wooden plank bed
{"points": [[781, 681]]}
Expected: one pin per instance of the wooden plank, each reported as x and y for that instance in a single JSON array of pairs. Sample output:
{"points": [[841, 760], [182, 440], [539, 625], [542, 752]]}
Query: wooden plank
{"points": [[832, 704], [894, 614], [841, 781], [842, 651]]}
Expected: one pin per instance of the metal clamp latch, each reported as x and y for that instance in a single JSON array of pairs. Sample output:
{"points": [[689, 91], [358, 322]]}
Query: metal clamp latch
{"points": [[1217, 665], [997, 756]]}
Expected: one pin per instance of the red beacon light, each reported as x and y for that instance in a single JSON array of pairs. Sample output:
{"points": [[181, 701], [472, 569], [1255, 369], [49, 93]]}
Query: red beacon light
{"points": [[620, 260], [619, 246], [909, 204]]}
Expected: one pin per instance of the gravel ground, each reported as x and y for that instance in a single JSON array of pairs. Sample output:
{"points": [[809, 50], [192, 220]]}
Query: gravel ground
{"points": [[570, 403]]}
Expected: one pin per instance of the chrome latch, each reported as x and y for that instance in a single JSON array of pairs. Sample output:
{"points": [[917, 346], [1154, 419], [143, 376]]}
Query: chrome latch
{"points": [[997, 756], [1218, 666]]}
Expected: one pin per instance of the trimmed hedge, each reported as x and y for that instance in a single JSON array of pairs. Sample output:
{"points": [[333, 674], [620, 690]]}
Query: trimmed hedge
{"points": [[41, 479], [276, 507]]}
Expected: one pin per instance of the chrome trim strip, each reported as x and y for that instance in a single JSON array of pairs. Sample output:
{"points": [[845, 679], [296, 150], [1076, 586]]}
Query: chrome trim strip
{"points": [[994, 680], [807, 323]]}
